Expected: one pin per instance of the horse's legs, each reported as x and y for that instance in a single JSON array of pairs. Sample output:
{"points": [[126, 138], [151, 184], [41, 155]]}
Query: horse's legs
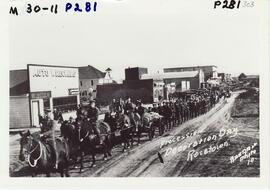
{"points": [[66, 172], [48, 174], [138, 136], [34, 173], [105, 152], [132, 137], [94, 160], [62, 172], [124, 142], [81, 162]]}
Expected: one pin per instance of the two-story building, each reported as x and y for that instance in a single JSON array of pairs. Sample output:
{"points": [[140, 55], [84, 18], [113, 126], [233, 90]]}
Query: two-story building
{"points": [[89, 78], [40, 88], [210, 71]]}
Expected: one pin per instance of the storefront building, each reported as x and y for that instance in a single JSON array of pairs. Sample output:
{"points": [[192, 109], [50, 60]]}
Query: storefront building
{"points": [[46, 88]]}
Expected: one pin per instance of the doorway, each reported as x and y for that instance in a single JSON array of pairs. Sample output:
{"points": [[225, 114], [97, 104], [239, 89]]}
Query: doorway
{"points": [[35, 113]]}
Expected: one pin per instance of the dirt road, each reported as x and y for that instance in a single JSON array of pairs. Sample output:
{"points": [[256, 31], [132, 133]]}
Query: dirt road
{"points": [[214, 144]]}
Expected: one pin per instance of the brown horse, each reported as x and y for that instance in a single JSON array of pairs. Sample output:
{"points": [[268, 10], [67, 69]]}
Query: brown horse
{"points": [[124, 131], [82, 140], [41, 155]]}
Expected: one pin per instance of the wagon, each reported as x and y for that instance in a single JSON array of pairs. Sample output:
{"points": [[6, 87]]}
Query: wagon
{"points": [[151, 121]]}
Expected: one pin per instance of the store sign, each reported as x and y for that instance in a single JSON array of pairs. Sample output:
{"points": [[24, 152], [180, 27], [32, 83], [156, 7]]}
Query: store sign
{"points": [[40, 95], [52, 72], [73, 91], [56, 79]]}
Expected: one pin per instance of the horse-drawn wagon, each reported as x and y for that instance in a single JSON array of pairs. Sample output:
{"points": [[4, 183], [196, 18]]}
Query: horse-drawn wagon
{"points": [[150, 122]]}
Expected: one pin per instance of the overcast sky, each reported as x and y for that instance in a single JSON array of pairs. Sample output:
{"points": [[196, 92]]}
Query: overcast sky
{"points": [[148, 33]]}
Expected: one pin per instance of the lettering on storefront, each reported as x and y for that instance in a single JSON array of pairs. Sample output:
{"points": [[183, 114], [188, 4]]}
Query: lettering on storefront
{"points": [[50, 72]]}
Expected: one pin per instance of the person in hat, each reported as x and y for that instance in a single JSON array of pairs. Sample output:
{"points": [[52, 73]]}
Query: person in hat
{"points": [[48, 135], [140, 109], [155, 108], [92, 117], [79, 111], [128, 106]]}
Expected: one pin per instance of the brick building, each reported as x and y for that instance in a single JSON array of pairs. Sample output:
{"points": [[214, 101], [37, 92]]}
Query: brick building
{"points": [[133, 86]]}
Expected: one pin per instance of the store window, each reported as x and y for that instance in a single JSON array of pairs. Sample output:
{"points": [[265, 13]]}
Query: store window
{"points": [[46, 103], [65, 104]]}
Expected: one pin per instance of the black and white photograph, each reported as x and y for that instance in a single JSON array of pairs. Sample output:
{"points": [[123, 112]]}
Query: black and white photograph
{"points": [[125, 88]]}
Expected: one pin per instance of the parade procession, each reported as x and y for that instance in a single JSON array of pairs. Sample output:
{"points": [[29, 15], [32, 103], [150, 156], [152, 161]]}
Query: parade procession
{"points": [[136, 94], [70, 126]]}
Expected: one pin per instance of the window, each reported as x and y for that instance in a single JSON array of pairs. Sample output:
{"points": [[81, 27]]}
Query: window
{"points": [[92, 83], [81, 83], [188, 85], [46, 103], [183, 85], [65, 103]]}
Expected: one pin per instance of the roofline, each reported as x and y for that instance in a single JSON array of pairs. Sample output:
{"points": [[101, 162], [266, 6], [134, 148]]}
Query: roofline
{"points": [[191, 67], [18, 70], [136, 68]]}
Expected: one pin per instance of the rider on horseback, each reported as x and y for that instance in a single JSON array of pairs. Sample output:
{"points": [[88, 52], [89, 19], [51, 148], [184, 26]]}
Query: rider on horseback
{"points": [[48, 134], [92, 115]]}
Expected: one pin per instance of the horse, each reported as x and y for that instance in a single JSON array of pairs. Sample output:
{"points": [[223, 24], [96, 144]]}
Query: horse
{"points": [[83, 140], [68, 132], [40, 155], [138, 127], [124, 130]]}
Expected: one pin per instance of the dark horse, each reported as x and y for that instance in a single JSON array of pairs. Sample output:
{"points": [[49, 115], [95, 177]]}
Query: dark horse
{"points": [[83, 141], [40, 155]]}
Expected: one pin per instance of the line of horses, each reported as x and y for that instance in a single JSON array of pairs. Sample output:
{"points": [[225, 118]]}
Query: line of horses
{"points": [[81, 138], [77, 140]]}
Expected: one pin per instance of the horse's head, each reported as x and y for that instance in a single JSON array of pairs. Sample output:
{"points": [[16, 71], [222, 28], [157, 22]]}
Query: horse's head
{"points": [[26, 143], [67, 129]]}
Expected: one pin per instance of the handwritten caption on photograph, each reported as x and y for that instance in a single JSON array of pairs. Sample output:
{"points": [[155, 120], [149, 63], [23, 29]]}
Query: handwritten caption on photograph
{"points": [[211, 139], [67, 7], [245, 154]]}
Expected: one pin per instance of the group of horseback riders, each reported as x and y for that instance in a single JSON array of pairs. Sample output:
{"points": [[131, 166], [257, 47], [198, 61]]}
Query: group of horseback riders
{"points": [[127, 115], [174, 111], [50, 121]]}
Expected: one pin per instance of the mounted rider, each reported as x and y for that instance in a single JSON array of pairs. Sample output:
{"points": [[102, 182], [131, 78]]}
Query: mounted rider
{"points": [[48, 134], [129, 111], [140, 109], [79, 112], [92, 118]]}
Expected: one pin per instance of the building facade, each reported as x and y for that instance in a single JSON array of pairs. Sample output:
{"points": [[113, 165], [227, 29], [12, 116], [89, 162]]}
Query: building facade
{"points": [[210, 71], [41, 88], [89, 78], [179, 81], [133, 87]]}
